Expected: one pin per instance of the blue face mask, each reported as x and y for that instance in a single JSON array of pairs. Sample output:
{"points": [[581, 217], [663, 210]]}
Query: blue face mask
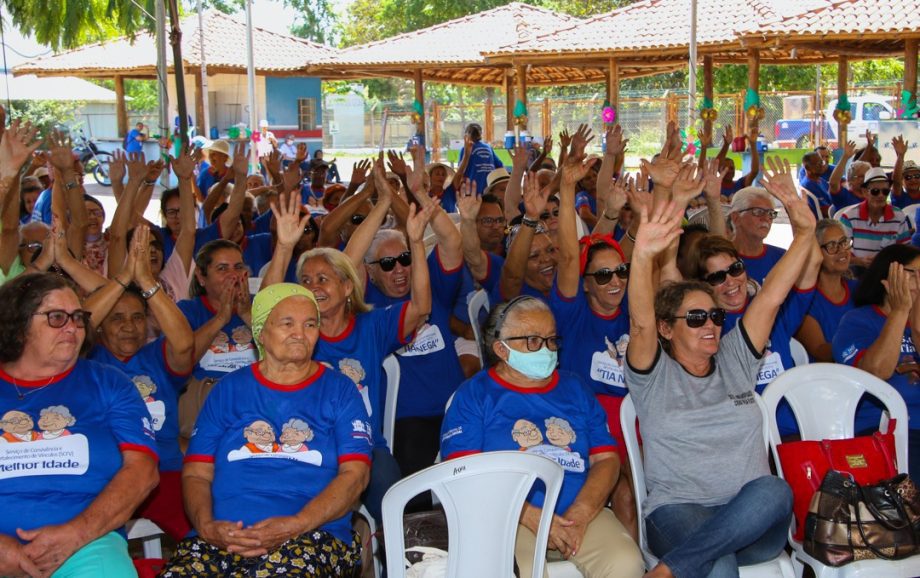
{"points": [[535, 364]]}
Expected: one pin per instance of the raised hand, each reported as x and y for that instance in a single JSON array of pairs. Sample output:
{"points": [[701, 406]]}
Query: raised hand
{"points": [[688, 184], [16, 144], [382, 186], [468, 202], [614, 198], [292, 177], [153, 171], [396, 163], [289, 224], [117, 166], [580, 141], [519, 158], [849, 149], [272, 162], [899, 145], [779, 182], [897, 287], [417, 221], [137, 167], [60, 152], [359, 171], [728, 136], [184, 164], [140, 253], [664, 168], [616, 144], [575, 168], [712, 185], [870, 141], [414, 177], [657, 231], [535, 198], [301, 155], [564, 140], [240, 159], [242, 300]]}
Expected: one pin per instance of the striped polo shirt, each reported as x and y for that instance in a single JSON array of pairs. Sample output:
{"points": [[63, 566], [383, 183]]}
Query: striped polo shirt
{"points": [[871, 237]]}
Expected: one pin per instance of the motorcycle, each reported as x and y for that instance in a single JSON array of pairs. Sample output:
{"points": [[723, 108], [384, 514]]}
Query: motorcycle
{"points": [[94, 161]]}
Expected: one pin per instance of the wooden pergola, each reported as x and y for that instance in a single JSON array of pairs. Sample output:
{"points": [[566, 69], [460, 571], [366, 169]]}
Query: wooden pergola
{"points": [[225, 53]]}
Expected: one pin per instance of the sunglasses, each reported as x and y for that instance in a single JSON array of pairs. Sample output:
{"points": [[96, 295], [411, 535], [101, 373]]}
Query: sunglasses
{"points": [[308, 230], [719, 277], [603, 276], [760, 213], [877, 192], [489, 221], [387, 264], [697, 317], [58, 318], [546, 215], [535, 342], [912, 177], [357, 219], [834, 247]]}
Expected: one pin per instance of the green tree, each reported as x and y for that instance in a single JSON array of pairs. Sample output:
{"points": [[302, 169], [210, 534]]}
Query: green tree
{"points": [[46, 114], [71, 23]]}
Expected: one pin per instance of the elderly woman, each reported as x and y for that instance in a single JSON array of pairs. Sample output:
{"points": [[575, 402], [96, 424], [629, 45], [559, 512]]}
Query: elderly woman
{"points": [[835, 291], [65, 418], [259, 506], [880, 333], [159, 369], [523, 403], [712, 503], [354, 338]]}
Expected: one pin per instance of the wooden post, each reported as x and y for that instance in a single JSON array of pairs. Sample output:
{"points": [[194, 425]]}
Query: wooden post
{"points": [[121, 111], [843, 70], [613, 84], [546, 127], [753, 84], [910, 66], [436, 129], [200, 112], [707, 94], [420, 96], [488, 117], [521, 73], [509, 100]]}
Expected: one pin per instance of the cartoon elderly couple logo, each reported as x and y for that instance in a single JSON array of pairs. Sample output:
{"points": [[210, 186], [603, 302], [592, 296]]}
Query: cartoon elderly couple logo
{"points": [[262, 442], [241, 338], [53, 421], [157, 409], [559, 433]]}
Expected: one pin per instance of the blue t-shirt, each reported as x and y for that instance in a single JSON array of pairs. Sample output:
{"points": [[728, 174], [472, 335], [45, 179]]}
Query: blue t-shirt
{"points": [[256, 248], [777, 357], [593, 346], [483, 161], [276, 447], [431, 352], [63, 442], [159, 387], [844, 198], [169, 243], [585, 199], [759, 266], [826, 175], [232, 347], [41, 211], [132, 145], [561, 421], [358, 353], [449, 199], [469, 286], [261, 224], [858, 330], [819, 189], [737, 185], [828, 313]]}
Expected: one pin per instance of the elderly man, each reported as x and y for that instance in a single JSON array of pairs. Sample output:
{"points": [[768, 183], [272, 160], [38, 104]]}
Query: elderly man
{"points": [[814, 181], [874, 224], [216, 167], [841, 196], [751, 218]]}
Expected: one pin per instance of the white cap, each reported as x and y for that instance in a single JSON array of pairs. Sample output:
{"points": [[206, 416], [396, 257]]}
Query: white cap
{"points": [[263, 123]]}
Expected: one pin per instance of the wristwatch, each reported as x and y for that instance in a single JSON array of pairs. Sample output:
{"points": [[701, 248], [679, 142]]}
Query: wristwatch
{"points": [[532, 223], [151, 292]]}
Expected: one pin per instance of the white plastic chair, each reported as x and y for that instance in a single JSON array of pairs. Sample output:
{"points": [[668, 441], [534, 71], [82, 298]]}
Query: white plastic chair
{"points": [[148, 533], [823, 398], [479, 301], [911, 212], [798, 352], [779, 567], [391, 368], [482, 496], [840, 212]]}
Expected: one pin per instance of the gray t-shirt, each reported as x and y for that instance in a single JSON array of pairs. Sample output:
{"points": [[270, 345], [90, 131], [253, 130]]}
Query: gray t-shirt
{"points": [[702, 436]]}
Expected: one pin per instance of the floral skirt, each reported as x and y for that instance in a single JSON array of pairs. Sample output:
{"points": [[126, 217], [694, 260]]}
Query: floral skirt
{"points": [[314, 553]]}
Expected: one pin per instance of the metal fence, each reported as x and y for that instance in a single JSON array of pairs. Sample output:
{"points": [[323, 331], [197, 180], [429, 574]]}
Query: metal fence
{"points": [[643, 118]]}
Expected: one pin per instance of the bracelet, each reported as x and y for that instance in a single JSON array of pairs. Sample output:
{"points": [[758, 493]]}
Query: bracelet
{"points": [[150, 183], [532, 223], [630, 237], [152, 291], [117, 280], [71, 185], [604, 214]]}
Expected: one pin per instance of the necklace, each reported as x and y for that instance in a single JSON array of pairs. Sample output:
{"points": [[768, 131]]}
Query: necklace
{"points": [[21, 395]]}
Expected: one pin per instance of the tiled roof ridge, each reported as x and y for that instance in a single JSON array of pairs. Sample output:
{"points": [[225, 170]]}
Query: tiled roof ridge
{"points": [[233, 18]]}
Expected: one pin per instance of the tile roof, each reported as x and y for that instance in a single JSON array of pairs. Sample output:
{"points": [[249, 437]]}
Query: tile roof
{"points": [[224, 44], [459, 41], [848, 17]]}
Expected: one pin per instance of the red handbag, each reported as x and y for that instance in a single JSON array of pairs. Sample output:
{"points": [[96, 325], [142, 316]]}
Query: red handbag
{"points": [[869, 459]]}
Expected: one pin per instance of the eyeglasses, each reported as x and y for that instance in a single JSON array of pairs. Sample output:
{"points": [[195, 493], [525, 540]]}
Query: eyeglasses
{"points": [[489, 221], [172, 212], [545, 215], [877, 192], [30, 247], [535, 342], [834, 247], [58, 318], [912, 177], [308, 230], [697, 317], [603, 276], [760, 213], [98, 213], [387, 264], [357, 219], [718, 277]]}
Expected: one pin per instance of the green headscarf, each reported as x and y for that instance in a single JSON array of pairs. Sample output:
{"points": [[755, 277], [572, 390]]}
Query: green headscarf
{"points": [[265, 302]]}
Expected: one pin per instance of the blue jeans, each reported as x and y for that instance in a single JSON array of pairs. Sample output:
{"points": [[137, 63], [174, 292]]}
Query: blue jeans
{"points": [[384, 473], [712, 541]]}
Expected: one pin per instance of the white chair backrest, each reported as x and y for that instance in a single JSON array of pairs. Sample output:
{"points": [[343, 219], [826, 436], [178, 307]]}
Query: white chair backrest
{"points": [[391, 368], [840, 212], [799, 354], [628, 426], [482, 496], [479, 300], [911, 212], [823, 398]]}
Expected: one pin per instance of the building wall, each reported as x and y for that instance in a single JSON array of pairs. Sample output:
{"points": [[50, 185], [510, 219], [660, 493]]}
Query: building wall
{"points": [[344, 121], [282, 94], [228, 99]]}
